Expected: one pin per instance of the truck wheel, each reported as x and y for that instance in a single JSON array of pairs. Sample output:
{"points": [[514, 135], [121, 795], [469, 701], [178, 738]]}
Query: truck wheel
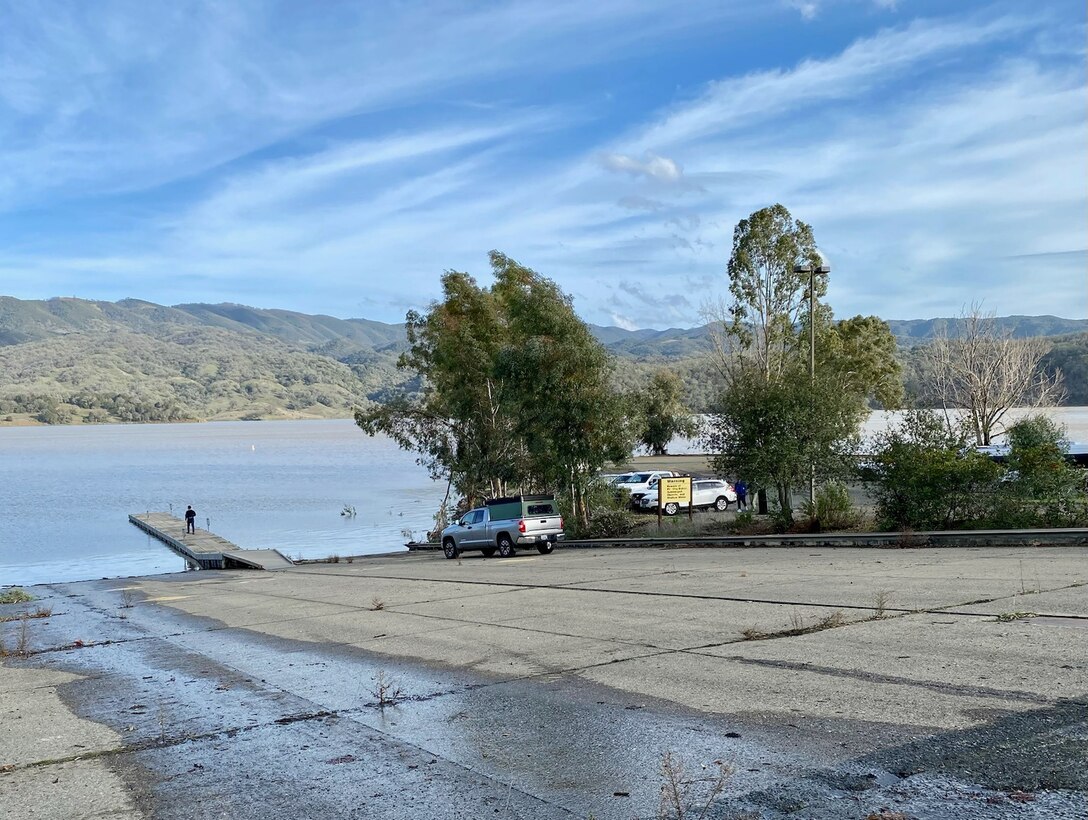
{"points": [[449, 547], [546, 548], [671, 508], [488, 551], [506, 546]]}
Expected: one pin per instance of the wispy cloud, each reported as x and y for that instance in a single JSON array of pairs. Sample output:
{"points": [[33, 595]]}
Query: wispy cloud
{"points": [[234, 155], [130, 96]]}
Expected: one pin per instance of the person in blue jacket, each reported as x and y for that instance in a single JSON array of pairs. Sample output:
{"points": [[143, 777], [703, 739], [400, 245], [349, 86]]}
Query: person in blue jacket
{"points": [[741, 490]]}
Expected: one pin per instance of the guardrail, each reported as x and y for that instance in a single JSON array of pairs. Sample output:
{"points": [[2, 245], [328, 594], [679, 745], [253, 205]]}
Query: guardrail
{"points": [[880, 540]]}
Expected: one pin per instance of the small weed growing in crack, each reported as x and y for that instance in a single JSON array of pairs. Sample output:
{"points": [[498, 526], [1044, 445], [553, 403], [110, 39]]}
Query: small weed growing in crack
{"points": [[832, 621], [835, 619], [126, 598], [377, 604], [1005, 617], [684, 797], [797, 620], [22, 645], [880, 603], [40, 612], [333, 559], [386, 691], [15, 595], [162, 725]]}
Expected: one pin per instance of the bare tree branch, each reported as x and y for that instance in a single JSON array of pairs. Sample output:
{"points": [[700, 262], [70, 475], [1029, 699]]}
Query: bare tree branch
{"points": [[986, 372]]}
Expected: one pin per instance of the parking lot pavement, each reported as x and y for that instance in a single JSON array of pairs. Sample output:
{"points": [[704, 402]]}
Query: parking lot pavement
{"points": [[552, 686]]}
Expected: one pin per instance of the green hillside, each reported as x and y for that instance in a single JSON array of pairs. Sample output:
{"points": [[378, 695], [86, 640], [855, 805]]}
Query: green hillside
{"points": [[72, 360]]}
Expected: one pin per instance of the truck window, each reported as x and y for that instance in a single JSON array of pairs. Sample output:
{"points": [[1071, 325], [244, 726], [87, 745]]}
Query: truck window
{"points": [[540, 509]]}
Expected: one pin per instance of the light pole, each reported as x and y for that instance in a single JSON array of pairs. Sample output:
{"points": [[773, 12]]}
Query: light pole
{"points": [[813, 271]]}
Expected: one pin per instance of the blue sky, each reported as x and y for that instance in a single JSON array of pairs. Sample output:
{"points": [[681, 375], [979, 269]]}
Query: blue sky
{"points": [[336, 158]]}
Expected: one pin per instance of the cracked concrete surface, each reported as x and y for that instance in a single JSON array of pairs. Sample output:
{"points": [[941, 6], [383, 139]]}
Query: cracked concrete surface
{"points": [[551, 686]]}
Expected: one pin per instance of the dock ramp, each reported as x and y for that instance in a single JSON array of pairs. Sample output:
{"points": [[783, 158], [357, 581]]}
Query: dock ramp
{"points": [[204, 549]]}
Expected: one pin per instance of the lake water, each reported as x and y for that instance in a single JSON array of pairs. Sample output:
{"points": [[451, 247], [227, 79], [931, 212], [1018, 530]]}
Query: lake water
{"points": [[1074, 419], [67, 493]]}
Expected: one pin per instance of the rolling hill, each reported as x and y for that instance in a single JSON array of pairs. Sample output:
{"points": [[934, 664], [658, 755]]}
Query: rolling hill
{"points": [[68, 360]]}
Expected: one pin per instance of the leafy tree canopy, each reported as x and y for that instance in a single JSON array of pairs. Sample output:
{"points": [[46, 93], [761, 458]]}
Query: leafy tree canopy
{"points": [[774, 433], [923, 477], [660, 412], [516, 391], [776, 420], [768, 295]]}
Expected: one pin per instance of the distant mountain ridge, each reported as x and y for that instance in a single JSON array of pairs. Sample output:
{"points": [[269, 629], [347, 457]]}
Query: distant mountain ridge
{"points": [[68, 358], [31, 320]]}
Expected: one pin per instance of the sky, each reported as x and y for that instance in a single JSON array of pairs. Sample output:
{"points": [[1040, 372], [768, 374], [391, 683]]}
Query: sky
{"points": [[339, 157]]}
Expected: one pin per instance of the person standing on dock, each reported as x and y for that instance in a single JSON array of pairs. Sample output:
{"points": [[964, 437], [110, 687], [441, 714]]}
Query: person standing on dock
{"points": [[190, 520]]}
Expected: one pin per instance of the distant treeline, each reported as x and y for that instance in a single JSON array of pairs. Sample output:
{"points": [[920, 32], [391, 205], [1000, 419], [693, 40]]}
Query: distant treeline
{"points": [[67, 360]]}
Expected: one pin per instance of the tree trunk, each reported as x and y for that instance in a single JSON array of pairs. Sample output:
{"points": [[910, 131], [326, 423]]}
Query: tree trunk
{"points": [[785, 500]]}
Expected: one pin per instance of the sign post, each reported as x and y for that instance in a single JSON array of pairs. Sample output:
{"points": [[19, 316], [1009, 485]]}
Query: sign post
{"points": [[676, 490]]}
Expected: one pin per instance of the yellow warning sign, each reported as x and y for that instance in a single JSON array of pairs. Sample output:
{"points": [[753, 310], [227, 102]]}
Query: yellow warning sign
{"points": [[675, 489]]}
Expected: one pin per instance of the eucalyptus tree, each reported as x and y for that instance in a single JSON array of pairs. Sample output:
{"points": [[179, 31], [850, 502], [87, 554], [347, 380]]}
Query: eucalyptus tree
{"points": [[456, 423], [515, 395], [861, 351], [768, 294], [772, 433], [660, 412], [775, 421]]}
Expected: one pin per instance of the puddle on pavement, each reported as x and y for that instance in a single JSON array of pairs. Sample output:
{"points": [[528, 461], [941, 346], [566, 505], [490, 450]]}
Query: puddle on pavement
{"points": [[191, 699]]}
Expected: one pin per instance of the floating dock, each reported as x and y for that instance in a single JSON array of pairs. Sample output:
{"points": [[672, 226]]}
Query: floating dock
{"points": [[206, 549]]}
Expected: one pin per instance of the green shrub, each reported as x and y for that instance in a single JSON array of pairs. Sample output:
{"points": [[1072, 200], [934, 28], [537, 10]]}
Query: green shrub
{"points": [[924, 477], [1040, 488], [833, 509], [745, 523], [610, 523], [15, 595], [780, 518]]}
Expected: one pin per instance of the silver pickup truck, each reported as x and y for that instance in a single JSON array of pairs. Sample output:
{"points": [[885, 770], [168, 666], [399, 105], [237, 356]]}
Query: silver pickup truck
{"points": [[504, 524]]}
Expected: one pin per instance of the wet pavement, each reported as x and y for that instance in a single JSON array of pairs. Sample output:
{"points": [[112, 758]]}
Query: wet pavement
{"points": [[551, 687]]}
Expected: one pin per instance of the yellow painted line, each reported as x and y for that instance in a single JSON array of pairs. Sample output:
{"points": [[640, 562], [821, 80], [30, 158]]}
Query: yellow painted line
{"points": [[168, 598]]}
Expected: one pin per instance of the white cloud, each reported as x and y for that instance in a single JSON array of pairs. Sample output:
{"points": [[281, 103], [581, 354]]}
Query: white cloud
{"points": [[662, 169], [135, 96], [922, 184], [807, 8]]}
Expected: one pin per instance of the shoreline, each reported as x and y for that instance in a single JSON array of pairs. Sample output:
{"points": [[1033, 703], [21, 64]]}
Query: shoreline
{"points": [[1073, 417]]}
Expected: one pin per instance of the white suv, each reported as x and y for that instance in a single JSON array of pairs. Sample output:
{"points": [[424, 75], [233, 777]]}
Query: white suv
{"points": [[706, 493], [638, 484]]}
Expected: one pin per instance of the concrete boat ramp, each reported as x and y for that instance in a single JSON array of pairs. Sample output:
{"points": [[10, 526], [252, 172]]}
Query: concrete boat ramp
{"points": [[206, 549]]}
